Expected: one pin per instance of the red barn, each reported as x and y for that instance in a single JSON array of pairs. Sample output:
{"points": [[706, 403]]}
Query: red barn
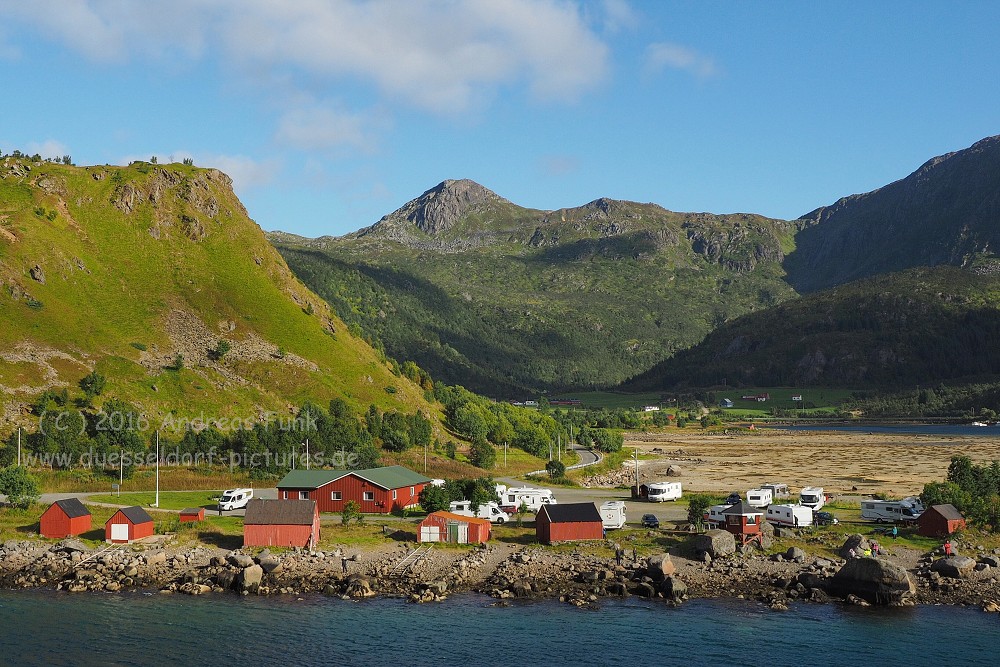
{"points": [[743, 521], [127, 525], [455, 528], [65, 518], [192, 514], [281, 523], [940, 521], [376, 490], [568, 523]]}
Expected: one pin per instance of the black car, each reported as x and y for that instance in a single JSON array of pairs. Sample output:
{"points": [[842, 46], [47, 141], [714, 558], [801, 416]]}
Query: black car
{"points": [[733, 499], [824, 519], [650, 521]]}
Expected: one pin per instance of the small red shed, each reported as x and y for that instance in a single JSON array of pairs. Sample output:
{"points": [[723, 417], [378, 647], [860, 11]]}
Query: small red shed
{"points": [[743, 521], [376, 490], [65, 518], [940, 521], [568, 523], [127, 525], [192, 514], [454, 528], [281, 523]]}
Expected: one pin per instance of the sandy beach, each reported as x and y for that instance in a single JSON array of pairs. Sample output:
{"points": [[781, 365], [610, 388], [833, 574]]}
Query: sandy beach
{"points": [[840, 462]]}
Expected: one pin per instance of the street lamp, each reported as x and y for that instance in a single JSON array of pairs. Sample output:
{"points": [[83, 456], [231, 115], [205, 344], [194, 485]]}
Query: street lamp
{"points": [[306, 445]]}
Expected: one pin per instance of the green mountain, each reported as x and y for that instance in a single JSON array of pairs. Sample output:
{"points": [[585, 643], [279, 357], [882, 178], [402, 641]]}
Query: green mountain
{"points": [[946, 212], [505, 299], [916, 327], [128, 270]]}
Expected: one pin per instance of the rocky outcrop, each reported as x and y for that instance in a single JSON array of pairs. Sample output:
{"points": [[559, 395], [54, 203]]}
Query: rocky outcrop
{"points": [[854, 545], [874, 580], [954, 567]]}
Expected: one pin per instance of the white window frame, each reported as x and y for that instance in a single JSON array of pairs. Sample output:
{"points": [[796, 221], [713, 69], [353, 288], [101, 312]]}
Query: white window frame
{"points": [[303, 495], [335, 495], [394, 494], [369, 496]]}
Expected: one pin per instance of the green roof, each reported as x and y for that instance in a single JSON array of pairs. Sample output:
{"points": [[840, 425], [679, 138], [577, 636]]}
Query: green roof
{"points": [[389, 477]]}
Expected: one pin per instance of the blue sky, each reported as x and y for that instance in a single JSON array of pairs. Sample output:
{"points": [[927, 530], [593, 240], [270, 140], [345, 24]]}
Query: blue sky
{"points": [[329, 114]]}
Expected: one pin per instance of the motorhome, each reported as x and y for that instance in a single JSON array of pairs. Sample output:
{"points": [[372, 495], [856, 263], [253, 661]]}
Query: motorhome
{"points": [[234, 499], [882, 511], [714, 517], [779, 491], [659, 492], [759, 497], [792, 516], [613, 514], [513, 497], [812, 497], [488, 510]]}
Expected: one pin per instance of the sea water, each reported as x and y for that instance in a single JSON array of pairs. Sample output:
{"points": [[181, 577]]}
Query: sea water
{"points": [[47, 628]]}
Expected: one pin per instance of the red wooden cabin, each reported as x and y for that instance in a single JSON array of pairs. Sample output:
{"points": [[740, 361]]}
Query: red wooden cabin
{"points": [[940, 521], [65, 518], [568, 523], [127, 525], [455, 528], [743, 521], [376, 490], [281, 523], [192, 514]]}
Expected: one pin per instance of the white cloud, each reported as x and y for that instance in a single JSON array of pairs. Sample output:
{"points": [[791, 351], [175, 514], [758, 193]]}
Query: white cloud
{"points": [[320, 127], [48, 149], [438, 55], [618, 15], [663, 55]]}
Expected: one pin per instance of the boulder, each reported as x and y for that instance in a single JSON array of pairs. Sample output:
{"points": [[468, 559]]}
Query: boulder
{"points": [[155, 558], [674, 471], [248, 581], [874, 580], [859, 543], [270, 564], [715, 543], [954, 567], [673, 588], [992, 561], [70, 546], [437, 587], [795, 554], [241, 560], [225, 579], [644, 590], [659, 566], [359, 586]]}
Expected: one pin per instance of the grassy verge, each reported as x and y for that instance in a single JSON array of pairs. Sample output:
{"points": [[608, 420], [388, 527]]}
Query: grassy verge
{"points": [[169, 500]]}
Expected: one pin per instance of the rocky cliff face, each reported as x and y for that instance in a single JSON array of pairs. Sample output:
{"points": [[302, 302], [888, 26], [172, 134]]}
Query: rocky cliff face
{"points": [[946, 212]]}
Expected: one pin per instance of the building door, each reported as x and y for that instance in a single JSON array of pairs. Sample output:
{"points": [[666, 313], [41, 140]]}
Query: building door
{"points": [[453, 531], [119, 532], [463, 533], [430, 534]]}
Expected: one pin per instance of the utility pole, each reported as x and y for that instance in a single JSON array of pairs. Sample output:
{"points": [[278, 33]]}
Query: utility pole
{"points": [[156, 503], [18, 446], [504, 454], [425, 456], [307, 453], [636, 450]]}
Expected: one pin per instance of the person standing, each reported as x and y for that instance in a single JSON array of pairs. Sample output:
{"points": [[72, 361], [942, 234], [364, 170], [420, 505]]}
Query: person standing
{"points": [[895, 532], [343, 563], [947, 548]]}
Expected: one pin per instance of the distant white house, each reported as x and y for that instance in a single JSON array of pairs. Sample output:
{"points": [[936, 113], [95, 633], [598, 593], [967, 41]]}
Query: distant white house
{"points": [[651, 408]]}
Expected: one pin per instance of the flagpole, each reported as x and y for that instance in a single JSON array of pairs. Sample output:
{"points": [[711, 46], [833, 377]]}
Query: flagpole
{"points": [[157, 503]]}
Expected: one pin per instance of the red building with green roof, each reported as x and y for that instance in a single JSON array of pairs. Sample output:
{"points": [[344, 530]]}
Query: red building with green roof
{"points": [[376, 490]]}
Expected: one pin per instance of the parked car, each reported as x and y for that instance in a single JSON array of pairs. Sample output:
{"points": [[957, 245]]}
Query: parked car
{"points": [[825, 519], [650, 521], [734, 498]]}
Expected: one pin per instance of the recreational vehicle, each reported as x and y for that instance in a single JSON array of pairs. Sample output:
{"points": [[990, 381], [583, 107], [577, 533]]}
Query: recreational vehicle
{"points": [[778, 491], [812, 497], [659, 492], [534, 498], [489, 511], [713, 517], [791, 516], [234, 499], [759, 497], [881, 511], [613, 514]]}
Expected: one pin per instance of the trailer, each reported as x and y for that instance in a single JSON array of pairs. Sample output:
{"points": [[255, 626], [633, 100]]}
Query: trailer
{"points": [[714, 517], [892, 511], [613, 514], [489, 511], [759, 497], [812, 497], [790, 516], [659, 492], [512, 498], [778, 491]]}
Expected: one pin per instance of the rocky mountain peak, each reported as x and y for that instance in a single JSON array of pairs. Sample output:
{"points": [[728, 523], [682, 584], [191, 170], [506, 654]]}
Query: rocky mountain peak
{"points": [[437, 210]]}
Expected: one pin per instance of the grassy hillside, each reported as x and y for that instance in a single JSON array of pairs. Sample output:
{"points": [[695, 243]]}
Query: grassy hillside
{"points": [[507, 300], [917, 327], [122, 269]]}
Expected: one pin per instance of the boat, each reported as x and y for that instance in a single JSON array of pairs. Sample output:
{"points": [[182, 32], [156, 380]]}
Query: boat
{"points": [[980, 424]]}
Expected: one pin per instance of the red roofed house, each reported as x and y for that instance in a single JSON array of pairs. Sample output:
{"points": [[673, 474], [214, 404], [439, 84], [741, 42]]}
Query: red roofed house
{"points": [[376, 490], [281, 523], [454, 528], [192, 514], [127, 525], [940, 521], [568, 523], [65, 518], [743, 521]]}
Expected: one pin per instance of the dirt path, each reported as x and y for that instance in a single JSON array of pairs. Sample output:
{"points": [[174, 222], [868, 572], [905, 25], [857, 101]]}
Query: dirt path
{"points": [[840, 462]]}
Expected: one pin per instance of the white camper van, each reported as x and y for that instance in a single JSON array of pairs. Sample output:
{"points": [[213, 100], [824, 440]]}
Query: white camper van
{"points": [[714, 517], [812, 497], [613, 514], [533, 498], [779, 491], [881, 511], [489, 511], [234, 499], [659, 492], [791, 516], [759, 497]]}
